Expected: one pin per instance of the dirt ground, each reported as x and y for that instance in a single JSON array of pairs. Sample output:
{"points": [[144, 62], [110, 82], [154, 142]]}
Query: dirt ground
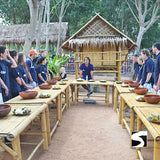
{"points": [[87, 132]]}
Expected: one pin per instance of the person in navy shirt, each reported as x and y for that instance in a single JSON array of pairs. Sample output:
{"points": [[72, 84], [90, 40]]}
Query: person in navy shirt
{"points": [[86, 72], [4, 71], [156, 51], [63, 73], [15, 81], [2, 85], [139, 76], [41, 70], [31, 73], [136, 66], [22, 68], [148, 68]]}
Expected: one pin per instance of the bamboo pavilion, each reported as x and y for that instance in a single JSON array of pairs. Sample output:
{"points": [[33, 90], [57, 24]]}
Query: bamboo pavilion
{"points": [[106, 46]]}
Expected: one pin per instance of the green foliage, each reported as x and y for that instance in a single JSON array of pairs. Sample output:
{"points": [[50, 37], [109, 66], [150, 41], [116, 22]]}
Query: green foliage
{"points": [[54, 64]]}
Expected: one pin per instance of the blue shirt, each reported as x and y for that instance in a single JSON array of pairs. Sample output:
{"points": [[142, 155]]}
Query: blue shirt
{"points": [[41, 69], [14, 86], [0, 89], [140, 73], [39, 58], [136, 68], [86, 70], [65, 75], [157, 69], [4, 74], [23, 75], [31, 69], [147, 67]]}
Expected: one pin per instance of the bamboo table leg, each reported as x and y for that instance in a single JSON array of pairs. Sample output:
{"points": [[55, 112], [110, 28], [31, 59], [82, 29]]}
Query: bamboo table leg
{"points": [[113, 94], [76, 94], [115, 98], [59, 108], [139, 128], [44, 130], [108, 95], [156, 150], [48, 125], [67, 101], [132, 123], [68, 98], [17, 148], [123, 112], [120, 111]]}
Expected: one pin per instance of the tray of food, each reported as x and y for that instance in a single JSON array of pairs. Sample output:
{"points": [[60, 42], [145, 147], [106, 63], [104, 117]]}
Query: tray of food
{"points": [[91, 80], [154, 117], [21, 111], [62, 83], [44, 95], [124, 85], [119, 82], [103, 81], [140, 99], [79, 79], [56, 87], [65, 79]]}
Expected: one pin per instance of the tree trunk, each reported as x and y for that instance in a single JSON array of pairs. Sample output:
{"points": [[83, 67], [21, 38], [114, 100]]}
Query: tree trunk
{"points": [[47, 26], [39, 30], [59, 30], [31, 30], [139, 38]]}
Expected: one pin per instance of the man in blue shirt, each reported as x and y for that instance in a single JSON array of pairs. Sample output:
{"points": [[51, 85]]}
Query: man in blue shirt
{"points": [[148, 68], [136, 66], [156, 51], [86, 72], [31, 73]]}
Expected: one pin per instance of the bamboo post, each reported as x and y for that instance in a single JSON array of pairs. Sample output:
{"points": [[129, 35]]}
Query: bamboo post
{"points": [[68, 97], [44, 131], [48, 125], [120, 111], [107, 94], [76, 91], [139, 128], [59, 108], [156, 150], [17, 148], [115, 98], [123, 113], [132, 123], [113, 94]]}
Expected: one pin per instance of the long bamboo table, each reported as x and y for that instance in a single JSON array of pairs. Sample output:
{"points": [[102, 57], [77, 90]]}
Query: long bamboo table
{"points": [[12, 126], [84, 82], [142, 117], [118, 89]]}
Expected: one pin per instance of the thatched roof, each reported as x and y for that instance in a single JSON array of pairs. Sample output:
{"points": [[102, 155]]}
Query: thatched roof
{"points": [[15, 34], [98, 31]]}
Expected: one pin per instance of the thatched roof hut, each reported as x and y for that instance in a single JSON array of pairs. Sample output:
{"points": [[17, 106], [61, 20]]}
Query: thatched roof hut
{"points": [[15, 34], [106, 46]]}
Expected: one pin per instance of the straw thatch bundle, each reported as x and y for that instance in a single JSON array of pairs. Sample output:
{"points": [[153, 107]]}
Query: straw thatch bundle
{"points": [[15, 34]]}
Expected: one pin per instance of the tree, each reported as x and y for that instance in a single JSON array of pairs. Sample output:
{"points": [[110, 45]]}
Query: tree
{"points": [[147, 13]]}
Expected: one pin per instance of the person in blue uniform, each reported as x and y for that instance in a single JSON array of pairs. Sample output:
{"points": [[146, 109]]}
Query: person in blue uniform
{"points": [[15, 81], [2, 85], [41, 70], [4, 71], [156, 51], [136, 66], [22, 68], [31, 73], [139, 76], [86, 72], [148, 68], [63, 73]]}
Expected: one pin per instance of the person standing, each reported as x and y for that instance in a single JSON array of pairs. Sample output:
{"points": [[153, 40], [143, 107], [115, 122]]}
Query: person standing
{"points": [[136, 66], [139, 76], [86, 72], [156, 51], [31, 73], [148, 69], [4, 71]]}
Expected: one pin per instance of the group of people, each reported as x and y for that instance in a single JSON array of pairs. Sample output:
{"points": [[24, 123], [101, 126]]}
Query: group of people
{"points": [[147, 73], [18, 73]]}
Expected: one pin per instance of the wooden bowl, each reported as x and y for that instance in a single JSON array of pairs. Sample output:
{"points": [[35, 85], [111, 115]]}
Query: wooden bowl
{"points": [[4, 109], [127, 81], [141, 91], [134, 84], [56, 78], [52, 82], [45, 86], [28, 94], [153, 99]]}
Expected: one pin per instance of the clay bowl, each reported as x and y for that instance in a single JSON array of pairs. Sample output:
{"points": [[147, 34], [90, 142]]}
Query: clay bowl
{"points": [[127, 81], [153, 99], [134, 84], [4, 109], [52, 82], [56, 78], [28, 94], [141, 91], [45, 86]]}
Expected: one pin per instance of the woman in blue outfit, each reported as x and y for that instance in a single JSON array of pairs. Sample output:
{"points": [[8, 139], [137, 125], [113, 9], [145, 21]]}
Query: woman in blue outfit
{"points": [[4, 71], [139, 76], [41, 70], [63, 73], [86, 72], [15, 81], [22, 68]]}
